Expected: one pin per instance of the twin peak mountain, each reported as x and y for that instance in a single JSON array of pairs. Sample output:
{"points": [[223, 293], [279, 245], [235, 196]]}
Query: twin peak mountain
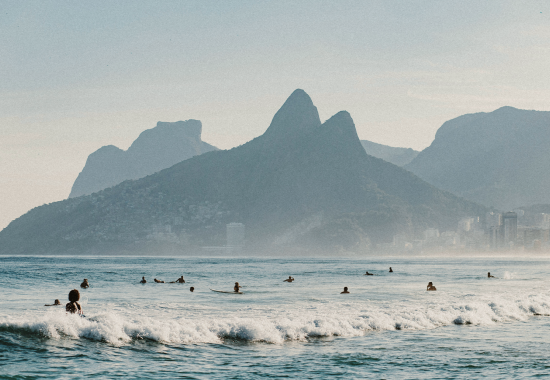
{"points": [[303, 185]]}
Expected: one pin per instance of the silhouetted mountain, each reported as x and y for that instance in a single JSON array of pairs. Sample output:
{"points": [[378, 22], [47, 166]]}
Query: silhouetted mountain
{"points": [[499, 159], [155, 149], [397, 156], [303, 185]]}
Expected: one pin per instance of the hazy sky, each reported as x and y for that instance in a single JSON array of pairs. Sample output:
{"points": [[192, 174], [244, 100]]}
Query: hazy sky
{"points": [[77, 75]]}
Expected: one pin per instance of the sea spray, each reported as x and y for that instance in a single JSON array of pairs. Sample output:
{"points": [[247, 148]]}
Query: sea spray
{"points": [[355, 319]]}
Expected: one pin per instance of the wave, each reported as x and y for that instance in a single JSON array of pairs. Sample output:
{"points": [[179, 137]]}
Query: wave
{"points": [[347, 320]]}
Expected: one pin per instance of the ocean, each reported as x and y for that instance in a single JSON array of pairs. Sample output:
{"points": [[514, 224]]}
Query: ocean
{"points": [[388, 327]]}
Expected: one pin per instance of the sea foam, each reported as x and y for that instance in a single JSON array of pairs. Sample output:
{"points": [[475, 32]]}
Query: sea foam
{"points": [[278, 326]]}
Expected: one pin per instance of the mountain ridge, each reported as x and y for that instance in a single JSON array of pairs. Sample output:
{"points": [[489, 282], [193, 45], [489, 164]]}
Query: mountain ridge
{"points": [[302, 187], [154, 149]]}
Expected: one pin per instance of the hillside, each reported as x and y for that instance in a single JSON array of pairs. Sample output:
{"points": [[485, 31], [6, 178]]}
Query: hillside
{"points": [[155, 149], [302, 186], [498, 159], [397, 156]]}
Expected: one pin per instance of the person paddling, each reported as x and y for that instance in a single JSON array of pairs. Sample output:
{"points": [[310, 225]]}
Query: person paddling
{"points": [[158, 281], [289, 279], [55, 303], [179, 281], [236, 287], [489, 275], [73, 306], [369, 274]]}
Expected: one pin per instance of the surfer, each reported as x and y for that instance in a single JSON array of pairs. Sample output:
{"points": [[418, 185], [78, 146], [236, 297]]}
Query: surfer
{"points": [[55, 303], [391, 270], [289, 279], [236, 287], [158, 281], [85, 284], [489, 275], [179, 281], [430, 286], [73, 306], [369, 274], [143, 280], [192, 289], [345, 290]]}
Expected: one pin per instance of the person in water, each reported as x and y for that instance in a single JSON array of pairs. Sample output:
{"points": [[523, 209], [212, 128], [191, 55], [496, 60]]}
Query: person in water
{"points": [[289, 279], [73, 306], [345, 290], [391, 270], [236, 287], [369, 274], [179, 281], [143, 280], [430, 286], [192, 289], [85, 284], [489, 275], [55, 303], [158, 281]]}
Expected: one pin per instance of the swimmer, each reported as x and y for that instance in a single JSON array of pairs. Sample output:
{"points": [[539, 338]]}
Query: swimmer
{"points": [[236, 287], [55, 303], [489, 275], [179, 281], [369, 274], [143, 280], [289, 279], [430, 286], [158, 281], [73, 306], [345, 290], [391, 270], [85, 284], [192, 289]]}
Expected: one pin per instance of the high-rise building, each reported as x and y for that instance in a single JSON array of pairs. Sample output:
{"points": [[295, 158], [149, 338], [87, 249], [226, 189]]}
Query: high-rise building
{"points": [[510, 227], [235, 235]]}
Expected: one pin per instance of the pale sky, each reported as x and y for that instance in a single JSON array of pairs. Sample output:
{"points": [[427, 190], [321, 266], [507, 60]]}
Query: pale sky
{"points": [[77, 75]]}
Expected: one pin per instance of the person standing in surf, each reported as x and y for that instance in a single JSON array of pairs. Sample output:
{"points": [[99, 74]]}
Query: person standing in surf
{"points": [[73, 306]]}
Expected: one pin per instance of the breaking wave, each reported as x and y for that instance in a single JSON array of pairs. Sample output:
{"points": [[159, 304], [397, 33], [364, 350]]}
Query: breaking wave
{"points": [[332, 320]]}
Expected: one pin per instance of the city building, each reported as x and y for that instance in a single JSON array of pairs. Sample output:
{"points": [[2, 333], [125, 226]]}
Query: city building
{"points": [[510, 228]]}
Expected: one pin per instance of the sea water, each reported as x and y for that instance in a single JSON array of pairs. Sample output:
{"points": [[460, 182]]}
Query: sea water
{"points": [[388, 327]]}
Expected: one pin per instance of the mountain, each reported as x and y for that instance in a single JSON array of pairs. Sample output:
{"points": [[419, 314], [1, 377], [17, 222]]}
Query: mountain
{"points": [[397, 156], [302, 186], [499, 159], [155, 149]]}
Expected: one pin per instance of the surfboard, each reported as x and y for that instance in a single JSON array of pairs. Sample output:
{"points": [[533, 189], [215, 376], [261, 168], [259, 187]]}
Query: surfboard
{"points": [[221, 291]]}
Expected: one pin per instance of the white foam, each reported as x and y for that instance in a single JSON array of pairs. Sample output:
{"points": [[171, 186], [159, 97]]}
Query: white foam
{"points": [[278, 326]]}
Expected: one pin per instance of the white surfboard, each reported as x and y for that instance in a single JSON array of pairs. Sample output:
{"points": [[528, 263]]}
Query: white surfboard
{"points": [[221, 291]]}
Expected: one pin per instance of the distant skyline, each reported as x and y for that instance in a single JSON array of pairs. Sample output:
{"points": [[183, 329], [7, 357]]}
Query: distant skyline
{"points": [[80, 75]]}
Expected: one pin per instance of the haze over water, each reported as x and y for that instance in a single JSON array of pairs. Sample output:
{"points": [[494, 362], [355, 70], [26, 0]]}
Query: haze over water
{"points": [[388, 327]]}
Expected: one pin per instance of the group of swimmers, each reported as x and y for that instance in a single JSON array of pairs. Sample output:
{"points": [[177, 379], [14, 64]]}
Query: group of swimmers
{"points": [[178, 281], [74, 307]]}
